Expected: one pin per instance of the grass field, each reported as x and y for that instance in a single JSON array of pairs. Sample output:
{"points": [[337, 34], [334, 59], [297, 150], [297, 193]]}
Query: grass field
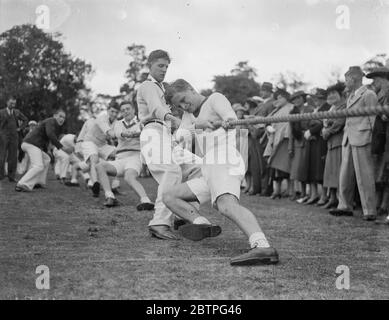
{"points": [[98, 253]]}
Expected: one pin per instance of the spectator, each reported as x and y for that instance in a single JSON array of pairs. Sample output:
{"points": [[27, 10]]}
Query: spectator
{"points": [[255, 161], [357, 159], [277, 147], [299, 147], [264, 109], [380, 146], [332, 132], [317, 150], [9, 137]]}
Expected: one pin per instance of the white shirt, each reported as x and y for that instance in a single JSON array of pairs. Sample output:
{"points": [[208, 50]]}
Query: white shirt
{"points": [[97, 131], [127, 143], [151, 100]]}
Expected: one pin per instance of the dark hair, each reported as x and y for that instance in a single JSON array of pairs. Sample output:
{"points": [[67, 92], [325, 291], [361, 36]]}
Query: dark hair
{"points": [[282, 92], [113, 104], [157, 54], [125, 102], [180, 85], [58, 110]]}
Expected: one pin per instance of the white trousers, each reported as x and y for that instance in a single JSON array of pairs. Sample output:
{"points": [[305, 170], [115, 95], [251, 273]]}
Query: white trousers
{"points": [[63, 162], [39, 165], [156, 150]]}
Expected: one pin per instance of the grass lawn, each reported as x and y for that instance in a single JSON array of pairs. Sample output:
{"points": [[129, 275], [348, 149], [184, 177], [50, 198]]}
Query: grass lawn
{"points": [[98, 253]]}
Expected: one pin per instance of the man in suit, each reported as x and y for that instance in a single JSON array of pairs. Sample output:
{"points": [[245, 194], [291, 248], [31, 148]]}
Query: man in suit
{"points": [[9, 134], [357, 160]]}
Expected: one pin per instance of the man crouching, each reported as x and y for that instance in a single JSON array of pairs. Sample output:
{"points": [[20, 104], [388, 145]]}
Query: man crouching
{"points": [[127, 161]]}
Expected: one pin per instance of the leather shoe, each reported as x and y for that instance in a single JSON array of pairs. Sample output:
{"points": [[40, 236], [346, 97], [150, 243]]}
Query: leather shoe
{"points": [[383, 222], [72, 184], [96, 189], [370, 217], [21, 188], [162, 232], [302, 200], [256, 256], [197, 232], [178, 223], [111, 202], [341, 212], [330, 205], [145, 206], [321, 203], [312, 201]]}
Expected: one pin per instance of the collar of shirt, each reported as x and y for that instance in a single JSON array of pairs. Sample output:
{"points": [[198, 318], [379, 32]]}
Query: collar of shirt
{"points": [[159, 84], [131, 123], [10, 112]]}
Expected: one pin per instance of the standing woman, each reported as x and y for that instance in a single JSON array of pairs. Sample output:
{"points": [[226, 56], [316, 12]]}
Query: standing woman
{"points": [[333, 133], [277, 147], [317, 150], [255, 162], [299, 147]]}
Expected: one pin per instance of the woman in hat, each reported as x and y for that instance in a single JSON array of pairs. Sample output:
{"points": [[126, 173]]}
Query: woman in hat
{"points": [[332, 132], [298, 146], [317, 150], [251, 151], [277, 146]]}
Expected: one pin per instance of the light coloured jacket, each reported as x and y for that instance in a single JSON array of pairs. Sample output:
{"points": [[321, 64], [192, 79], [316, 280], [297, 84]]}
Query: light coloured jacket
{"points": [[358, 130]]}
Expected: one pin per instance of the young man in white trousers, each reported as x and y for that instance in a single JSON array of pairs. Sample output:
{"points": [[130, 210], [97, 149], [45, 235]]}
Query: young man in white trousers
{"points": [[156, 140], [222, 170], [127, 161], [35, 144]]}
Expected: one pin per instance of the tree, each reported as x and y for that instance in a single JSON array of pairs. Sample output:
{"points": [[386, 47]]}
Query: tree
{"points": [[239, 85], [136, 72], [36, 69], [379, 60], [290, 81], [243, 68]]}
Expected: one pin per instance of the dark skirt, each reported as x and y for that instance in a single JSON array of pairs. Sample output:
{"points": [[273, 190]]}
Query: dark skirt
{"points": [[317, 156], [278, 175], [280, 160], [299, 163], [256, 163], [332, 168]]}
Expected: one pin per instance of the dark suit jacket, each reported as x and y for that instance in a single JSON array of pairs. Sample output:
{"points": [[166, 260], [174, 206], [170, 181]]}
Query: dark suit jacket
{"points": [[47, 131], [5, 117]]}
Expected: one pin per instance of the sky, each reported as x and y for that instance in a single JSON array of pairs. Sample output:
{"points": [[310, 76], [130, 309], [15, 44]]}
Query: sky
{"points": [[208, 37]]}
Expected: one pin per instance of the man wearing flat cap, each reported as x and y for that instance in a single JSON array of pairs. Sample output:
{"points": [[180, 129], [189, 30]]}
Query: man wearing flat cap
{"points": [[380, 84], [357, 159]]}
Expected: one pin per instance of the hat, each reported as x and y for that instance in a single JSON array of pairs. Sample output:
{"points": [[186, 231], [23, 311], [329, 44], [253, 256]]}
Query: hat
{"points": [[32, 122], [282, 92], [267, 86], [256, 99], [238, 107], [297, 94], [319, 93], [354, 70], [339, 87], [379, 72]]}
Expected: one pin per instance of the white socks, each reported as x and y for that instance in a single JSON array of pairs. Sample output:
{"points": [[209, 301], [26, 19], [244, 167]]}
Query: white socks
{"points": [[259, 240], [109, 194], [145, 200], [201, 220]]}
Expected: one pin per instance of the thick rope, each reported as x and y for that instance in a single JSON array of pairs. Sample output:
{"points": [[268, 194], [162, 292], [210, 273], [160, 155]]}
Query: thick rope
{"points": [[344, 113]]}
